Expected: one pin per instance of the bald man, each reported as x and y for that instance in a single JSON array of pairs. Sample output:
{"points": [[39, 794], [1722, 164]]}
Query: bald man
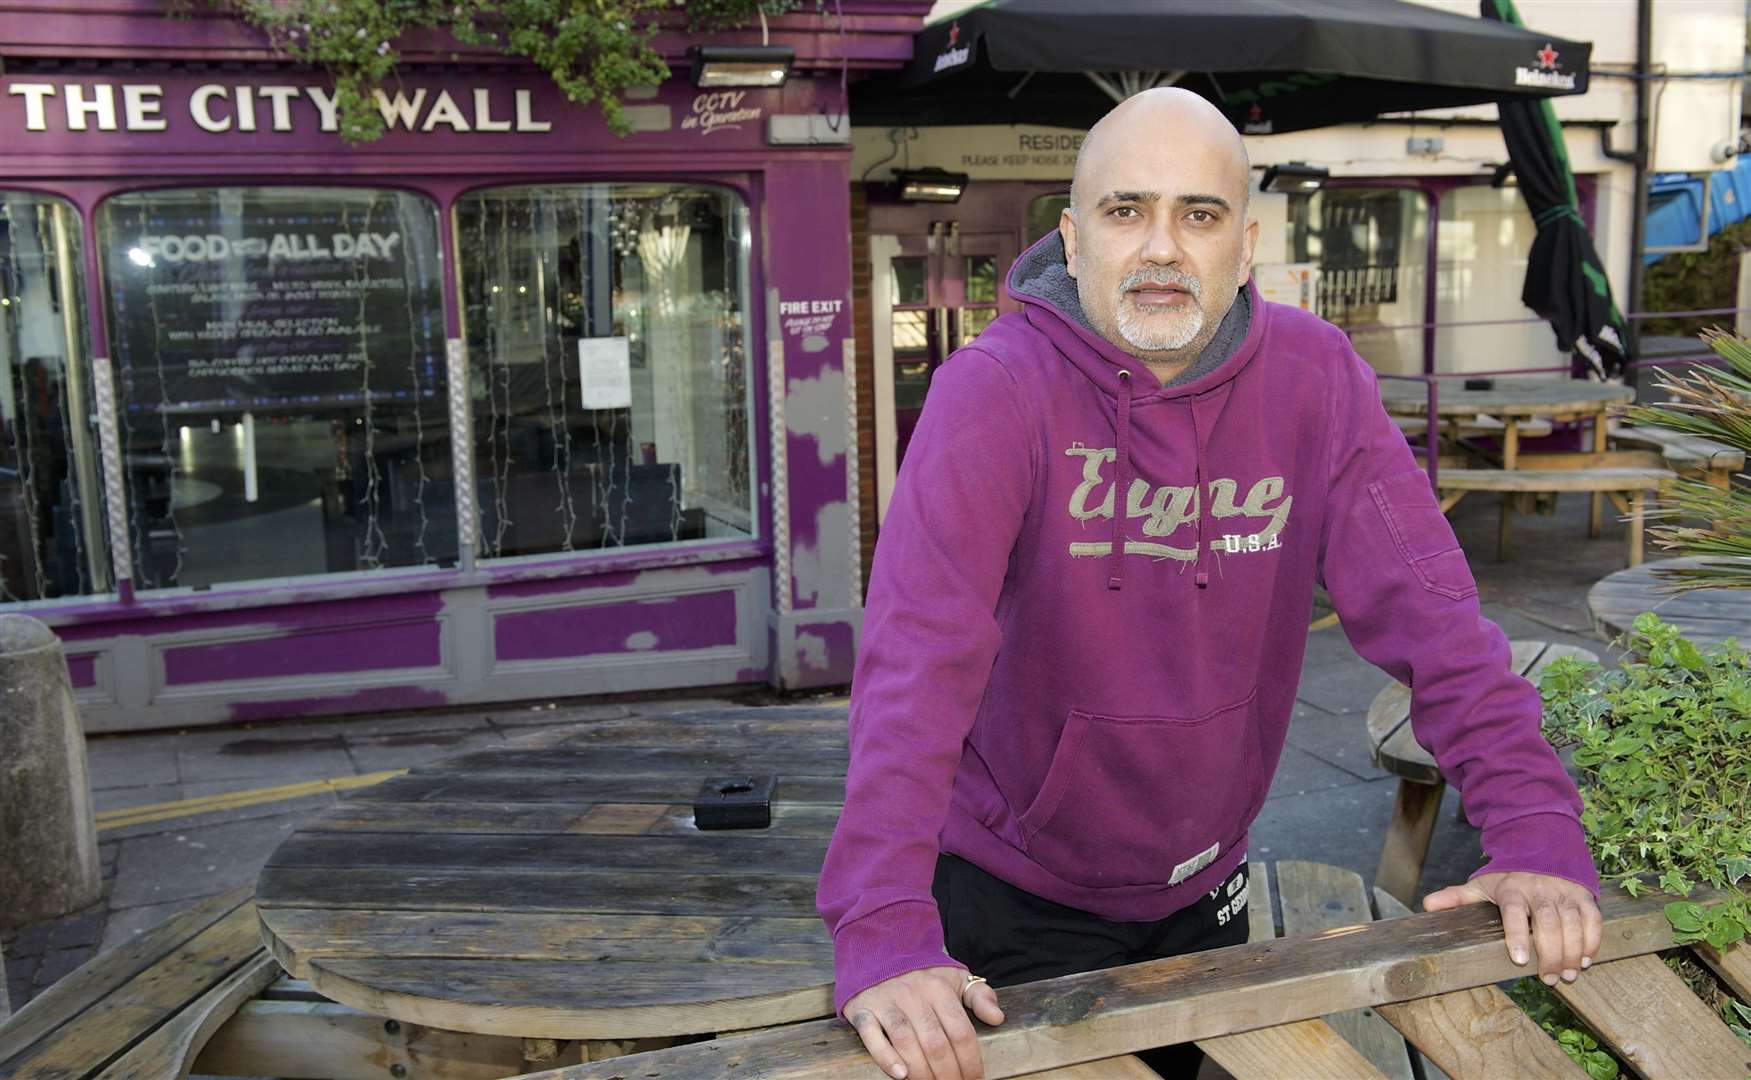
{"points": [[1088, 610]]}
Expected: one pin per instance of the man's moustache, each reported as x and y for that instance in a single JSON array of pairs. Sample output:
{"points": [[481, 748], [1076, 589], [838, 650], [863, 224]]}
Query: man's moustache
{"points": [[1163, 277]]}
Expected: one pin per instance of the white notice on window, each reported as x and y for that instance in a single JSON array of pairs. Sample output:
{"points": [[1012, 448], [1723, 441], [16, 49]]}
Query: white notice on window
{"points": [[605, 373]]}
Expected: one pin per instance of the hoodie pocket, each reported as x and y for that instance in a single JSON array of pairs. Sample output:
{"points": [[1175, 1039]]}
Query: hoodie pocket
{"points": [[1422, 536], [1128, 800]]}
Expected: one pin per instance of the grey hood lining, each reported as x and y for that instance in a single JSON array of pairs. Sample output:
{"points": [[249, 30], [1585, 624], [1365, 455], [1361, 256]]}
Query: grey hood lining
{"points": [[1040, 275]]}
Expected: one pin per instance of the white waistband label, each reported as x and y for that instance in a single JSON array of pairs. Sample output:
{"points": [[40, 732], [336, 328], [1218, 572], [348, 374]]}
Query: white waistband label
{"points": [[1194, 864]]}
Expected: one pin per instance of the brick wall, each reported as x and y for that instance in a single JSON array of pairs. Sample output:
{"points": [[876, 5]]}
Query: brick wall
{"points": [[862, 332]]}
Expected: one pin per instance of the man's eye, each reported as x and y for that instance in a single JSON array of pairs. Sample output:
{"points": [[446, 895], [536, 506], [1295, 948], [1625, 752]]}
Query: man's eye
{"points": [[1202, 217], [1122, 211]]}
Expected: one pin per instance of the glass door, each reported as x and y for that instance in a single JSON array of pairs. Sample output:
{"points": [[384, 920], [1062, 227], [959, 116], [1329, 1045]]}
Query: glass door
{"points": [[933, 292]]}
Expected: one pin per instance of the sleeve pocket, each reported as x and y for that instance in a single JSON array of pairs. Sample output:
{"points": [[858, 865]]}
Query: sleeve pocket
{"points": [[1420, 532]]}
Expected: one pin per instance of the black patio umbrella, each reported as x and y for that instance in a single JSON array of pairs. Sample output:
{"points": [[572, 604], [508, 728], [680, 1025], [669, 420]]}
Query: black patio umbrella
{"points": [[1271, 65], [1565, 281]]}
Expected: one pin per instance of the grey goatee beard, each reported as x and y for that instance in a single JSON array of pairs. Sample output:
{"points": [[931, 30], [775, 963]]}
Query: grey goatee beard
{"points": [[1183, 327]]}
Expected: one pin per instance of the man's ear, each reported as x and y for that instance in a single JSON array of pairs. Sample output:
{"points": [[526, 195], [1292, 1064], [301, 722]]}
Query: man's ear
{"points": [[1067, 231], [1249, 241]]}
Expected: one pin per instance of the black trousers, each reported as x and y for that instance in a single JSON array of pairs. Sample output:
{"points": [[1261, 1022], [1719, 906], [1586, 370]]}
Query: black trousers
{"points": [[1011, 936]]}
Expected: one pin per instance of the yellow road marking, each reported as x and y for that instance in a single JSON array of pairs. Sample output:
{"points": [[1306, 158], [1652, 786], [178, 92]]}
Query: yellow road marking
{"points": [[232, 800], [1321, 624]]}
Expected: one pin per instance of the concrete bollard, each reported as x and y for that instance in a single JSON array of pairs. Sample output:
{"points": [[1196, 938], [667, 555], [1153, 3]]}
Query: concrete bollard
{"points": [[48, 834]]}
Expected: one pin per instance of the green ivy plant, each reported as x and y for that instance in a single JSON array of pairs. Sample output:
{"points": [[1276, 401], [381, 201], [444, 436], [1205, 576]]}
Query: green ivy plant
{"points": [[1549, 1013], [594, 50], [1663, 747]]}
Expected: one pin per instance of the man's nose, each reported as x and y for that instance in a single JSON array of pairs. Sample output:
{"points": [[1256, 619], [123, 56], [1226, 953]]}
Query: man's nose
{"points": [[1160, 246]]}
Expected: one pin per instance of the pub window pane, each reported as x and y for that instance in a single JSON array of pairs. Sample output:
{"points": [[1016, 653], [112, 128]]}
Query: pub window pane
{"points": [[908, 279], [607, 346], [281, 381], [52, 537], [981, 279]]}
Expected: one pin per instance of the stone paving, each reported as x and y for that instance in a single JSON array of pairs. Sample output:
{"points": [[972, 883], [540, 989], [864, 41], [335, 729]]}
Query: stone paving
{"points": [[1327, 802]]}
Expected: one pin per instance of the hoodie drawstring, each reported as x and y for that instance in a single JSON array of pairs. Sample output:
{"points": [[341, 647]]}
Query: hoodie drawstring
{"points": [[1121, 483], [1202, 577]]}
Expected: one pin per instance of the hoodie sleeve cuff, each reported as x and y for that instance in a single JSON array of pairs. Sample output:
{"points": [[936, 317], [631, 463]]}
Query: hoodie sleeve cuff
{"points": [[1545, 843], [901, 937]]}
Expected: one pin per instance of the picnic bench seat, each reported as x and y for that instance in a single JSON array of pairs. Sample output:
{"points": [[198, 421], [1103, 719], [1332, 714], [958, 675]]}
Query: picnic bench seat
{"points": [[1626, 487], [1355, 987], [144, 1009], [1394, 748], [1686, 454]]}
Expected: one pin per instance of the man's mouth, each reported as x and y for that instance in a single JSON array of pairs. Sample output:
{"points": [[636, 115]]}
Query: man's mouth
{"points": [[1159, 295]]}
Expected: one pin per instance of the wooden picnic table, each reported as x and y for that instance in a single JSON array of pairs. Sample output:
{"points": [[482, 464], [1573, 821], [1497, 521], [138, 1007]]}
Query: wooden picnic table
{"points": [[1513, 401], [555, 887], [1706, 616]]}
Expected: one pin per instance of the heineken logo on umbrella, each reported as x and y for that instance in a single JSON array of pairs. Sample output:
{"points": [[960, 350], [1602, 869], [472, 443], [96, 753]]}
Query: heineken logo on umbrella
{"points": [[1546, 75], [953, 56]]}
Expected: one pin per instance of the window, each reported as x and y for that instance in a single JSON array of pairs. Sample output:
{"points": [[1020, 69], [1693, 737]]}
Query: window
{"points": [[1043, 214], [1481, 254], [282, 389], [52, 537], [1370, 245], [607, 346]]}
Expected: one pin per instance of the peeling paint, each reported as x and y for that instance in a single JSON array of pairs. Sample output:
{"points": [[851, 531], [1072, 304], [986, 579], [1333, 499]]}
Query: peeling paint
{"points": [[827, 649], [693, 621], [815, 408], [641, 641], [823, 566], [811, 652], [377, 699]]}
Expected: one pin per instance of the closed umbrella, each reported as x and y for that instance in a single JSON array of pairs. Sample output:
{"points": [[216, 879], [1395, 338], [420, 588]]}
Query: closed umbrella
{"points": [[1565, 281]]}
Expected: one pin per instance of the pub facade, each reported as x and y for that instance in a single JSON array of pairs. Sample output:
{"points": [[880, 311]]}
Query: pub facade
{"points": [[499, 406]]}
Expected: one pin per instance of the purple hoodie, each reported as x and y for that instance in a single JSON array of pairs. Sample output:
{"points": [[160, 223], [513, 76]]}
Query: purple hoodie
{"points": [[1091, 708]]}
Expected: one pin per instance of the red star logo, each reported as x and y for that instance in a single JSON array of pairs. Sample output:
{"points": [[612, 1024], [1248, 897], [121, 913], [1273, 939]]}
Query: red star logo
{"points": [[954, 34], [1547, 57], [1256, 113]]}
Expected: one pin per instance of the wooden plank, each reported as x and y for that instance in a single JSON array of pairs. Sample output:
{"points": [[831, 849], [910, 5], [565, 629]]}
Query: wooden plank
{"points": [[1582, 459], [321, 1038], [580, 790], [1119, 1068], [1476, 1034], [628, 892], [86, 985], [540, 999], [1732, 967], [1101, 1014], [1261, 923], [1654, 1022], [1261, 1053], [1316, 1049], [1316, 898], [602, 819], [317, 935], [725, 851], [108, 1027], [170, 1051], [1553, 479]]}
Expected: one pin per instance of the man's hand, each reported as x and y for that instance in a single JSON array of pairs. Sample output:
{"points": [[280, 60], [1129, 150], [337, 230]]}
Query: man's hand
{"points": [[915, 1025], [1565, 923]]}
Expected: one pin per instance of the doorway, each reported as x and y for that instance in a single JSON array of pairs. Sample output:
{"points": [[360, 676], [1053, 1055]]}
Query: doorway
{"points": [[933, 288]]}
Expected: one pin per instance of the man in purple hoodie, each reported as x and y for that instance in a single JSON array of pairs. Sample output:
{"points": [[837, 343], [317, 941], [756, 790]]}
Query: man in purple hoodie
{"points": [[1088, 612]]}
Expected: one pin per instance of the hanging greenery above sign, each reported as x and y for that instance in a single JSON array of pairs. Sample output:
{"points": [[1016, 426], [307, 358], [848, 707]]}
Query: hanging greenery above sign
{"points": [[593, 53]]}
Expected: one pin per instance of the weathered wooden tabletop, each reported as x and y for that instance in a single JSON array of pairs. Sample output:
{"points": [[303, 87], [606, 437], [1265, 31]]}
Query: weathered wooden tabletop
{"points": [[556, 887], [1706, 616], [1509, 397]]}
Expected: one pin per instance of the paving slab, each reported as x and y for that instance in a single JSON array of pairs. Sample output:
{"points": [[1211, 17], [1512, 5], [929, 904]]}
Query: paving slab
{"points": [[119, 763], [198, 860], [125, 924], [126, 798], [403, 750], [1299, 772], [1338, 739], [273, 756]]}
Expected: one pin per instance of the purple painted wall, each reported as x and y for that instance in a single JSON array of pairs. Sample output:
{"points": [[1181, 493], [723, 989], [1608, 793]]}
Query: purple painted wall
{"points": [[205, 109], [671, 625]]}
